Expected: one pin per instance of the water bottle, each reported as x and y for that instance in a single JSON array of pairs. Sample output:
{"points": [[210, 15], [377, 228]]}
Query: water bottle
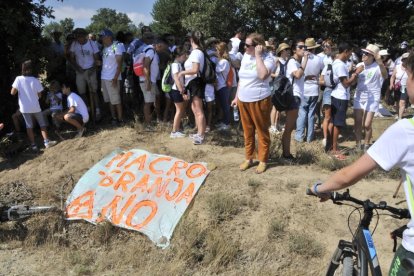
{"points": [[236, 114]]}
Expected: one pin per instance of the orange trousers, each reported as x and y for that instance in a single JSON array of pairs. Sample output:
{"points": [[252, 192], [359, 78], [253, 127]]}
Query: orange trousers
{"points": [[255, 116]]}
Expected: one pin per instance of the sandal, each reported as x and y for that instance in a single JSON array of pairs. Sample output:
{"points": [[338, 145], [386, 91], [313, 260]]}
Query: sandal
{"points": [[245, 165], [261, 168]]}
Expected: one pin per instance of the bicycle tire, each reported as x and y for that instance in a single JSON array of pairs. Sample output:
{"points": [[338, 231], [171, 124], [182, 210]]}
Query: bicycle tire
{"points": [[348, 266]]}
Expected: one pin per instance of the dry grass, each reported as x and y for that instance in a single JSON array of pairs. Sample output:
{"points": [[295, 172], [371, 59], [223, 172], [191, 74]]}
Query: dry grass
{"points": [[277, 228], [254, 184], [222, 206], [221, 250], [302, 244]]}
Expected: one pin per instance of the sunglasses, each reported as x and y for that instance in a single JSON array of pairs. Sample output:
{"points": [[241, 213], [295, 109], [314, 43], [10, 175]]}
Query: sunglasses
{"points": [[248, 45], [366, 54], [301, 47]]}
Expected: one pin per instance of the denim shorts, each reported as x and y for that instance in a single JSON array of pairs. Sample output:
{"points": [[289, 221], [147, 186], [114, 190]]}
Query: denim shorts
{"points": [[175, 96], [326, 100]]}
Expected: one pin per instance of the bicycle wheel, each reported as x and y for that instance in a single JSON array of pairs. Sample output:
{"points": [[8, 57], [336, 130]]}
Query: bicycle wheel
{"points": [[348, 266], [344, 267]]}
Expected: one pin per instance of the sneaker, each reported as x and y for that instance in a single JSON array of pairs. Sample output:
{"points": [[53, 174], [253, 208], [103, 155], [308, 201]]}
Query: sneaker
{"points": [[273, 130], [324, 142], [224, 127], [207, 129], [219, 125], [50, 144], [198, 140], [80, 133], [34, 148], [193, 135], [177, 134]]}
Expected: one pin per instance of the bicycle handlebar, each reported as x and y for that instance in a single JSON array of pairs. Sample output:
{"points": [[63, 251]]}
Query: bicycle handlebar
{"points": [[366, 204]]}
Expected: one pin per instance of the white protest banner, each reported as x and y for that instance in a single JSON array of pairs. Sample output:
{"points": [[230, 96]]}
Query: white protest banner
{"points": [[137, 190]]}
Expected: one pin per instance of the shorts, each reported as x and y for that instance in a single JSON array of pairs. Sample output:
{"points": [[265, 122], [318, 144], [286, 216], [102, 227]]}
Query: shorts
{"points": [[368, 105], [338, 110], [40, 118], [196, 87], [149, 96], [326, 99], [86, 79], [175, 96], [404, 95], [111, 94], [295, 103], [209, 95], [76, 116]]}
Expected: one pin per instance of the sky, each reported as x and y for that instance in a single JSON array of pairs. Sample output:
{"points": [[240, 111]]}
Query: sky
{"points": [[81, 11]]}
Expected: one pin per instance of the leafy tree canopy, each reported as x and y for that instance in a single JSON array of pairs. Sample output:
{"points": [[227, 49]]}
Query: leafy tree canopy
{"points": [[112, 20], [64, 26]]}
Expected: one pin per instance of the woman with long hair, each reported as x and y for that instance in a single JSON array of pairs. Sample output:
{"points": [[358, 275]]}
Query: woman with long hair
{"points": [[223, 92], [193, 67], [254, 101]]}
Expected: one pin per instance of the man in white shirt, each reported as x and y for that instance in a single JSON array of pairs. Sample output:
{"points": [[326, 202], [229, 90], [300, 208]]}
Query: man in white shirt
{"points": [[84, 56], [307, 108], [111, 75], [340, 95], [235, 41]]}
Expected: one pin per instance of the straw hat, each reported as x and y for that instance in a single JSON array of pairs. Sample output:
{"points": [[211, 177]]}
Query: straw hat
{"points": [[384, 52], [282, 46], [310, 43], [372, 49]]}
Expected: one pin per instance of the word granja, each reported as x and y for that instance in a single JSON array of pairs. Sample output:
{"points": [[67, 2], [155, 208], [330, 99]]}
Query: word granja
{"points": [[136, 185]]}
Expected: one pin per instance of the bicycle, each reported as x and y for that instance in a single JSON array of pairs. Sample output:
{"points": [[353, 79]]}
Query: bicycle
{"points": [[20, 212], [358, 256]]}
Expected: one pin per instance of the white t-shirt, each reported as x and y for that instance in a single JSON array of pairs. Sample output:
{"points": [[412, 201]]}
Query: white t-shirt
{"points": [[109, 64], [251, 88], [325, 58], [80, 107], [339, 70], [401, 75], [196, 56], [28, 89], [155, 63], [176, 68], [314, 66], [298, 84], [395, 148], [222, 71], [84, 53], [369, 82], [235, 43]]}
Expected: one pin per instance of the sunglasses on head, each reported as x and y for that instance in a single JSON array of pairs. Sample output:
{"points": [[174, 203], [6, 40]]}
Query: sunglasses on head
{"points": [[301, 47]]}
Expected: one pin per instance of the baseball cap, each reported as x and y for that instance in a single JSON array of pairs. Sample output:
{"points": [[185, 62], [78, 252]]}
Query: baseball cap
{"points": [[106, 32]]}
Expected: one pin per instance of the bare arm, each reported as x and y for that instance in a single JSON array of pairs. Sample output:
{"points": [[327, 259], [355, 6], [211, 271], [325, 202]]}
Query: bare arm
{"points": [[348, 175], [262, 71], [392, 80], [13, 91]]}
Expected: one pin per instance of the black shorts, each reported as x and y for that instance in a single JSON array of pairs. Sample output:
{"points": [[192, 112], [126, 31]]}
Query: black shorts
{"points": [[404, 96], [77, 117], [294, 104], [338, 110], [176, 96], [196, 87]]}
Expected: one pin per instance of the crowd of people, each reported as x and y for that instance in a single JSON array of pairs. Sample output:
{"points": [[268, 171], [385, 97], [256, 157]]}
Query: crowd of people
{"points": [[126, 73]]}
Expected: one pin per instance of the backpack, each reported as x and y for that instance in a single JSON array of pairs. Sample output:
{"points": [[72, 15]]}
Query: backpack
{"points": [[167, 79], [230, 77], [138, 63], [208, 74], [282, 93], [329, 77]]}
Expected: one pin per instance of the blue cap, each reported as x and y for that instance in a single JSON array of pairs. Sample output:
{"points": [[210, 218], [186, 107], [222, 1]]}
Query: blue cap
{"points": [[106, 32]]}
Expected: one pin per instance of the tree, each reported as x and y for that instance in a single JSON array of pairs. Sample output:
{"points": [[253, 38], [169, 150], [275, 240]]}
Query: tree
{"points": [[64, 26], [109, 19], [168, 16], [20, 31]]}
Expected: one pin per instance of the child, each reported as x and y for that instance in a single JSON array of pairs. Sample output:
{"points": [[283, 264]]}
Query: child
{"points": [[54, 99], [29, 90], [393, 149], [77, 114]]}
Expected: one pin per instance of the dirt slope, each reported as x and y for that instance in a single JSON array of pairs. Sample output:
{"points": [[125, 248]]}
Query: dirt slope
{"points": [[240, 223]]}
